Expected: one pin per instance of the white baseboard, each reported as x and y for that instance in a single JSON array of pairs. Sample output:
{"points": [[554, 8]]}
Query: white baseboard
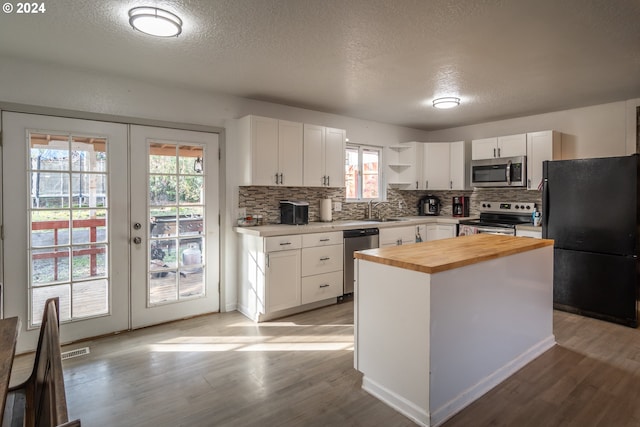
{"points": [[423, 417], [449, 409], [397, 402]]}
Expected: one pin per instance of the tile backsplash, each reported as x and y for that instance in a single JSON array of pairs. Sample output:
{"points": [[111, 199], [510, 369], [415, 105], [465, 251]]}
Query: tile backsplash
{"points": [[265, 201]]}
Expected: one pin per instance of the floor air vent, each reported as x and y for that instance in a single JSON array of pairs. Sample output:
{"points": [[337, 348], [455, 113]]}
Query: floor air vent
{"points": [[75, 353]]}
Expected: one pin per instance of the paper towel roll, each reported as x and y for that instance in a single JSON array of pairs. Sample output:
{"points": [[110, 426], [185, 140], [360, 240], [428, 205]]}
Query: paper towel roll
{"points": [[325, 210]]}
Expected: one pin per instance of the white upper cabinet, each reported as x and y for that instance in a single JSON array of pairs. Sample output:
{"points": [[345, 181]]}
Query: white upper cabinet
{"points": [[275, 150], [541, 146], [436, 166], [323, 156], [334, 156], [512, 145], [459, 165], [290, 153], [485, 148], [445, 166], [314, 175], [502, 146]]}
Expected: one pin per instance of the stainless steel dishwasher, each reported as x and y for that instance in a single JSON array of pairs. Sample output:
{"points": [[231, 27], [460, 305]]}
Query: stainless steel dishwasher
{"points": [[356, 240]]}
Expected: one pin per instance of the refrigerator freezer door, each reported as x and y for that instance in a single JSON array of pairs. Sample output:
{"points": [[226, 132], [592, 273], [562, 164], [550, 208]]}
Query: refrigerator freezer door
{"points": [[596, 285], [592, 204]]}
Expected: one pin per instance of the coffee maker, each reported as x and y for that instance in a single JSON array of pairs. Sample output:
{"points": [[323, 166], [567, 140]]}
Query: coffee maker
{"points": [[460, 206], [429, 205]]}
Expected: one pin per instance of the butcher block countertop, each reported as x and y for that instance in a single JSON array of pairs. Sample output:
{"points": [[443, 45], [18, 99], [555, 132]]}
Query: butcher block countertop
{"points": [[442, 255]]}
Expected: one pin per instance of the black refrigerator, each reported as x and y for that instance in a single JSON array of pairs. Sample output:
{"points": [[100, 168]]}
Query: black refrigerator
{"points": [[591, 211]]}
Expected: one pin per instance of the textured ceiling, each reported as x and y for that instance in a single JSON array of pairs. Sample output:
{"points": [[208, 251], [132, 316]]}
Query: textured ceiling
{"points": [[381, 60]]}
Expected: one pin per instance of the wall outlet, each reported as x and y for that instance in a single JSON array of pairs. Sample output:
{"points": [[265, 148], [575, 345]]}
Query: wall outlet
{"points": [[337, 206]]}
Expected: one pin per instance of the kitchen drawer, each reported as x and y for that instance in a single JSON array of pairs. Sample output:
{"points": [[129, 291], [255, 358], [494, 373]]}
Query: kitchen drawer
{"points": [[321, 259], [322, 239], [321, 286], [282, 243]]}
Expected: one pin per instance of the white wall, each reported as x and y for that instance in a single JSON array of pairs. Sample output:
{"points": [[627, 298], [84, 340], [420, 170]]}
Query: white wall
{"points": [[51, 86], [598, 131]]}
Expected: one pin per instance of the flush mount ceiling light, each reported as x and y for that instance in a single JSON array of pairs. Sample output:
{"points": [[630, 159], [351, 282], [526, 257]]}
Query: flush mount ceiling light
{"points": [[446, 102], [155, 22]]}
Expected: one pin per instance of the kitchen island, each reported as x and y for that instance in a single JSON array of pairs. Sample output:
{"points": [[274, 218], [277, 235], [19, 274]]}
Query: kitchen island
{"points": [[438, 324]]}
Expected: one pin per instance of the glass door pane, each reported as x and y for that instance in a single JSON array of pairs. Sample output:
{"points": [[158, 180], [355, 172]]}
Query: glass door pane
{"points": [[176, 212], [68, 211]]}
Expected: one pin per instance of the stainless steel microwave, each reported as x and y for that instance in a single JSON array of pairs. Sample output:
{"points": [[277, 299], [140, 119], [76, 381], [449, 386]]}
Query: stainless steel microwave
{"points": [[500, 172]]}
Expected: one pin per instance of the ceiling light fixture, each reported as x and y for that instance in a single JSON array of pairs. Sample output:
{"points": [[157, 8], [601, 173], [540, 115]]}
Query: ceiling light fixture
{"points": [[446, 102], [155, 22]]}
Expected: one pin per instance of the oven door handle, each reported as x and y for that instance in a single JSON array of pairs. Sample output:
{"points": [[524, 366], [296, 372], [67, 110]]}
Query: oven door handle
{"points": [[496, 230], [508, 172]]}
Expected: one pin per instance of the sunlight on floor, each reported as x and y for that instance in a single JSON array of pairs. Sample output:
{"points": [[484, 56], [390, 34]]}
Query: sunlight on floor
{"points": [[334, 342], [265, 346]]}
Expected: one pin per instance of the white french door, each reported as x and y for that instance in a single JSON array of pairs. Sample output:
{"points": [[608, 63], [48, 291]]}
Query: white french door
{"points": [[174, 215], [79, 199]]}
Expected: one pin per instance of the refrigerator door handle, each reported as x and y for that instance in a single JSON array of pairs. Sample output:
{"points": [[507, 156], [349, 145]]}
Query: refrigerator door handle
{"points": [[508, 172], [545, 207]]}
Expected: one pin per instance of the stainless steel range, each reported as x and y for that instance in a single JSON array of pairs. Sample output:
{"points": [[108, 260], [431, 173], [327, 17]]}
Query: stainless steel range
{"points": [[498, 218]]}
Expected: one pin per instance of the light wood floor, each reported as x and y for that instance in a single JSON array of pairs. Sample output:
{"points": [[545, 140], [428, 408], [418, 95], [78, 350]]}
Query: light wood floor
{"points": [[223, 370]]}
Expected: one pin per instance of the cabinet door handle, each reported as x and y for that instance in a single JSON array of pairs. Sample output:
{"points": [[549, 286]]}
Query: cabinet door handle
{"points": [[498, 152], [325, 240], [268, 260], [416, 185], [324, 286], [426, 184], [285, 243], [276, 177], [281, 178], [328, 180], [325, 258], [451, 185], [529, 183], [324, 180]]}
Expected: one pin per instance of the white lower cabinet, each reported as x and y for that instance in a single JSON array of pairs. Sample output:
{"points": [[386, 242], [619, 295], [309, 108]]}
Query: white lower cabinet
{"points": [[440, 231], [396, 236], [321, 273], [286, 274], [283, 280], [415, 233], [321, 286]]}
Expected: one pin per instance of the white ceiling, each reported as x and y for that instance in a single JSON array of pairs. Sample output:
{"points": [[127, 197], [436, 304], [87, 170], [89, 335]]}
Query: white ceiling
{"points": [[381, 60]]}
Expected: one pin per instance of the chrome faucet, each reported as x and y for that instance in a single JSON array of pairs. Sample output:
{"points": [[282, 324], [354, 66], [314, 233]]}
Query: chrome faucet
{"points": [[375, 206], [370, 207], [369, 210]]}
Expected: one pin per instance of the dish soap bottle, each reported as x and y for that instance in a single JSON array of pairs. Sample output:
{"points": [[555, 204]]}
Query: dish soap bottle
{"points": [[535, 217]]}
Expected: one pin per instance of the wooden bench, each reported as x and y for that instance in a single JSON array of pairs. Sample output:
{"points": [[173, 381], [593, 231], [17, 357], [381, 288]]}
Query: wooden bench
{"points": [[40, 401]]}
